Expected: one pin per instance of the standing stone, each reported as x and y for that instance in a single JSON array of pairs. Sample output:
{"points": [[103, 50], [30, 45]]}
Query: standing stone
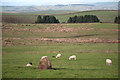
{"points": [[45, 63]]}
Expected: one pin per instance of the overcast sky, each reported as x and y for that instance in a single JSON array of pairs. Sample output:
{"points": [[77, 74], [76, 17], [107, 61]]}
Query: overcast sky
{"points": [[49, 2]]}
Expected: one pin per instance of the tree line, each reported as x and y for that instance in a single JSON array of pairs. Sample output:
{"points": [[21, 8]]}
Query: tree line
{"points": [[74, 19], [46, 19], [117, 20], [83, 19]]}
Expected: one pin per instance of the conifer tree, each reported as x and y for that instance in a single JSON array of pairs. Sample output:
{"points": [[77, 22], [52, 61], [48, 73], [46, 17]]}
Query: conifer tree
{"points": [[83, 19], [69, 20], [47, 19]]}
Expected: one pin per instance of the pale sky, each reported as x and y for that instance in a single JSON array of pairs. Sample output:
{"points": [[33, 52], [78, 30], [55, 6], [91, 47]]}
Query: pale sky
{"points": [[49, 2], [59, 0]]}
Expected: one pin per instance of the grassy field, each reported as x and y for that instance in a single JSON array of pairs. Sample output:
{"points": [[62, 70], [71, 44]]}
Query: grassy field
{"points": [[92, 43], [104, 16]]}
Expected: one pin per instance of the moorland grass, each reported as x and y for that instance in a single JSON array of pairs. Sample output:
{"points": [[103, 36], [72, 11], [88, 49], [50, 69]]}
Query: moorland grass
{"points": [[90, 61], [104, 16]]}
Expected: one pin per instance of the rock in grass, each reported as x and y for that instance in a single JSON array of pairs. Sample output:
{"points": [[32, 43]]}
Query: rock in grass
{"points": [[45, 63]]}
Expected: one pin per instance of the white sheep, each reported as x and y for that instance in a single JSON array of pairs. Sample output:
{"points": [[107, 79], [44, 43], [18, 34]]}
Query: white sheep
{"points": [[58, 56], [29, 64], [72, 57], [43, 57], [108, 62]]}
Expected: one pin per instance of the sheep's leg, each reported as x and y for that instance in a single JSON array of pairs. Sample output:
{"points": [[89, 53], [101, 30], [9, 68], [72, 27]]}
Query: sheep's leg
{"points": [[110, 64], [106, 64], [69, 58], [75, 58]]}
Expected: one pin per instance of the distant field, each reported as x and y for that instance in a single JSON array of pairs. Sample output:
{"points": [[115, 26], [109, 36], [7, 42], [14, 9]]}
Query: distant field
{"points": [[42, 12], [92, 43], [82, 30], [23, 7], [48, 12], [104, 16]]}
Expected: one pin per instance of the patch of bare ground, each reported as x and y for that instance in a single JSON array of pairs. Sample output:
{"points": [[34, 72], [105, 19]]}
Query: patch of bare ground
{"points": [[55, 51], [14, 29], [4, 53], [60, 29], [110, 30], [53, 28], [77, 40], [96, 51], [47, 29], [27, 52], [31, 41], [10, 42], [0, 41]]}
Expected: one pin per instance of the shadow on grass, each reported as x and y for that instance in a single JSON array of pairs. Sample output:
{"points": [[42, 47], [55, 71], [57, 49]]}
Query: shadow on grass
{"points": [[84, 69], [84, 35], [35, 67], [77, 69], [89, 69], [77, 36], [58, 68]]}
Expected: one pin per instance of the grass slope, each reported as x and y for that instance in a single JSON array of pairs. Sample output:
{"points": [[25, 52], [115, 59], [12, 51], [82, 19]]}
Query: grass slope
{"points": [[87, 62], [91, 57], [104, 16]]}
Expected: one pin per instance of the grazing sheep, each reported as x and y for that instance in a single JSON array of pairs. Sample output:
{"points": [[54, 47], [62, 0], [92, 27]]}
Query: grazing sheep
{"points": [[108, 62], [43, 57], [72, 57], [29, 64], [58, 56]]}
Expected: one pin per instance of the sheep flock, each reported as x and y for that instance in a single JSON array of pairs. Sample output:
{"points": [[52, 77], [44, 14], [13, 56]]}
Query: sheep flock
{"points": [[73, 57]]}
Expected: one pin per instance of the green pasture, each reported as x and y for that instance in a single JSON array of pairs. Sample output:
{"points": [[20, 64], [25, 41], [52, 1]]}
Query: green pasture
{"points": [[90, 61], [99, 30], [104, 16]]}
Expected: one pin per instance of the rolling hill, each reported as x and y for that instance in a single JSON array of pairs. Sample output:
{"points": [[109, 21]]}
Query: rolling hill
{"points": [[103, 15], [72, 7]]}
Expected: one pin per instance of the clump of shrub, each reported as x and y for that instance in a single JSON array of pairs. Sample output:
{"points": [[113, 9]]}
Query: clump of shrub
{"points": [[47, 19], [117, 19], [83, 19]]}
